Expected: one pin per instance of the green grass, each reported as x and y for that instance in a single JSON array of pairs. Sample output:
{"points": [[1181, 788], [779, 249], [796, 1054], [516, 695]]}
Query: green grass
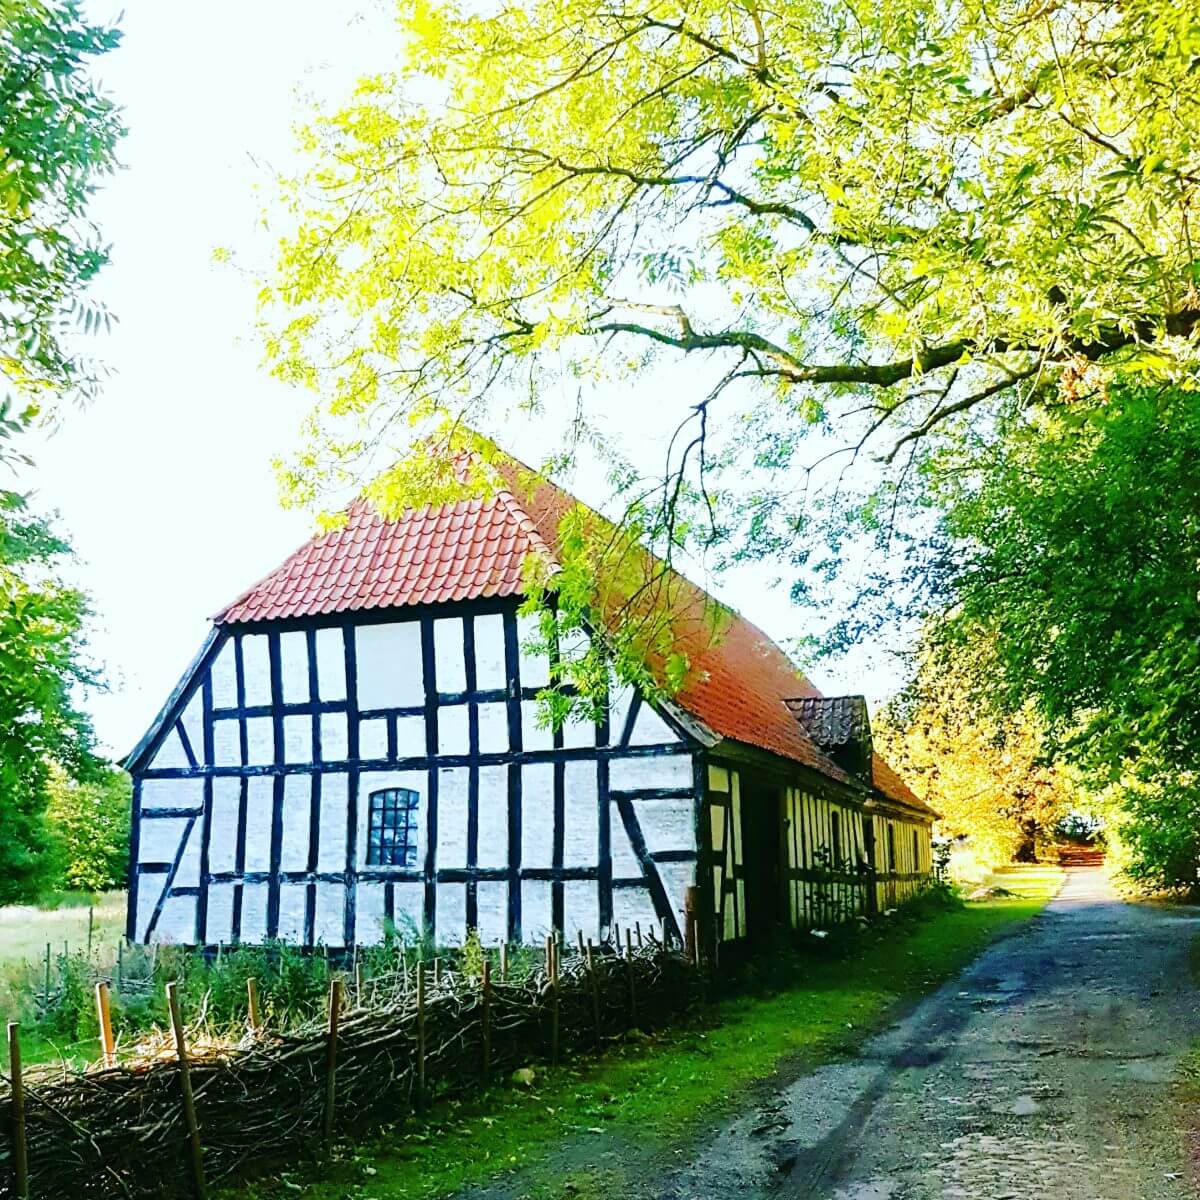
{"points": [[1032, 880], [25, 930], [651, 1093]]}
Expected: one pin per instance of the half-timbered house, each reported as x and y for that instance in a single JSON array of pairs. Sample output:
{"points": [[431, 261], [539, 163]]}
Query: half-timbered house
{"points": [[357, 746]]}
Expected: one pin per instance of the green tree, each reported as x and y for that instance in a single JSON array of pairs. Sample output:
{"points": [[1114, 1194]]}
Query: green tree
{"points": [[89, 822]]}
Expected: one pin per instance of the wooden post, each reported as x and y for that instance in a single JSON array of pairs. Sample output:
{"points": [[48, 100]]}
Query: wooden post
{"points": [[358, 981], [108, 1047], [552, 971], [20, 1150], [47, 975], [252, 1005], [196, 1154], [638, 926], [120, 963], [486, 984], [335, 1006], [437, 972], [595, 989], [579, 938], [691, 946], [420, 1033], [503, 961], [629, 972]]}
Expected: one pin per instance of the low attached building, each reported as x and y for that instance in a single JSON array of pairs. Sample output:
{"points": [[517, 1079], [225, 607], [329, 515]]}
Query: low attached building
{"points": [[359, 747]]}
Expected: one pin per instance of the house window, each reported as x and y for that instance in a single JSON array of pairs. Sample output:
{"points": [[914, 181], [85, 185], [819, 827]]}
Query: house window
{"points": [[891, 847], [916, 852], [836, 831], [392, 831]]}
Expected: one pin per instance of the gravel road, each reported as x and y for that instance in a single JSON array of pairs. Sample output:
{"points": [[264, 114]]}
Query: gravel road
{"points": [[1044, 1070]]}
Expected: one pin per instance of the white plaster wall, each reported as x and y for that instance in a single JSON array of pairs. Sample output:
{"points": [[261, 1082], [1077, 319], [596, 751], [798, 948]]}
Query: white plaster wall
{"points": [[188, 873], [222, 836], [625, 864], [408, 904], [260, 741], [650, 729], [219, 924], [293, 666], [448, 654], [666, 824], [535, 668], [581, 908], [631, 905], [490, 671], [227, 746], [334, 736], [535, 735], [297, 817], [493, 816], [172, 793], [331, 853], [298, 739], [256, 668], [170, 752], [453, 729], [331, 664], [451, 913], [373, 739], [581, 817], [452, 819], [677, 878], [369, 911], [410, 737], [160, 838], [223, 673], [620, 698], [149, 888], [654, 771], [193, 723], [491, 899], [254, 912], [177, 922], [535, 909], [493, 728], [388, 663], [260, 799], [537, 815], [292, 900], [329, 928]]}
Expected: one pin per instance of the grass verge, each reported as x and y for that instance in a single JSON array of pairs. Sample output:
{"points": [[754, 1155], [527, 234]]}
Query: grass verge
{"points": [[654, 1092]]}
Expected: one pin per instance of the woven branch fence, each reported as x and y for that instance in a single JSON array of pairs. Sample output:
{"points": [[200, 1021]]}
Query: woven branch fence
{"points": [[180, 1116]]}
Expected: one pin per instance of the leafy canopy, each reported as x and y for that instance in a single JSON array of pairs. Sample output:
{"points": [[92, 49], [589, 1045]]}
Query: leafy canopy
{"points": [[894, 210]]}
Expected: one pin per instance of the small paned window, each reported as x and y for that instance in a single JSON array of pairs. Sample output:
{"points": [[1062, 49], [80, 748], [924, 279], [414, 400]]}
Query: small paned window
{"points": [[392, 831]]}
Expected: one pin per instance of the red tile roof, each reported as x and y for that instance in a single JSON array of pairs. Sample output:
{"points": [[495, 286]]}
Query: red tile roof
{"points": [[738, 681]]}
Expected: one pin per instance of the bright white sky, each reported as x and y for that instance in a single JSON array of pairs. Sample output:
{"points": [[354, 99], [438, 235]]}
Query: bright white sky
{"points": [[164, 485]]}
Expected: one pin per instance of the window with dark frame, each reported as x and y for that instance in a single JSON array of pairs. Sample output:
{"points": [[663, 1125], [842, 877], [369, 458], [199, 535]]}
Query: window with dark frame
{"points": [[836, 828], [891, 830], [392, 828]]}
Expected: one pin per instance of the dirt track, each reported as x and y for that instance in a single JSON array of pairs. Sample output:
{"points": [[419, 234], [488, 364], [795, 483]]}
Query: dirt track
{"points": [[1043, 1071]]}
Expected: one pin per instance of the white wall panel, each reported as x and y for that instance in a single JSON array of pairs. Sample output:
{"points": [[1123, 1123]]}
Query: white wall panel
{"points": [[535, 668], [581, 908], [368, 914], [329, 927], [223, 674], [334, 745], [491, 899], [260, 741], [666, 824], [649, 729], [453, 735], [170, 752], [581, 823], [227, 743], [410, 737], [149, 888], [254, 912], [293, 666], [297, 739], [373, 739], [177, 922], [448, 638], [256, 668], [451, 914], [219, 924], [493, 728], [452, 817], [172, 793], [578, 734], [535, 909], [631, 905], [331, 855], [537, 815], [160, 837], [409, 908], [193, 724], [620, 698], [493, 817], [293, 898], [297, 817], [677, 878], [490, 672], [625, 863], [536, 735], [388, 659], [331, 664], [222, 834], [651, 771], [188, 872], [260, 799]]}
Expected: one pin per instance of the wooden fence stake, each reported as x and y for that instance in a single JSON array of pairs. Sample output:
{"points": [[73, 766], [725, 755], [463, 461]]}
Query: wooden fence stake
{"points": [[358, 982], [47, 975], [420, 1033], [189, 1103], [638, 925], [691, 946], [437, 972], [579, 938], [120, 964], [595, 989], [486, 984], [552, 971], [335, 1006], [503, 961], [108, 1047], [20, 1150], [629, 972], [252, 1004]]}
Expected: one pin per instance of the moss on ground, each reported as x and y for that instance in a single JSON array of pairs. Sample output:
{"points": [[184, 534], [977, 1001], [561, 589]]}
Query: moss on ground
{"points": [[652, 1093]]}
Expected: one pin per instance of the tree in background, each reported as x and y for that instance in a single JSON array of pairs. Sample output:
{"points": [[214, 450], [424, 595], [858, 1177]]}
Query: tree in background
{"points": [[90, 825], [988, 774], [57, 138]]}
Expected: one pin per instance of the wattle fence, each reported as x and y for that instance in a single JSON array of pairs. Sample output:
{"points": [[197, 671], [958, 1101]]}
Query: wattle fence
{"points": [[180, 1116]]}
